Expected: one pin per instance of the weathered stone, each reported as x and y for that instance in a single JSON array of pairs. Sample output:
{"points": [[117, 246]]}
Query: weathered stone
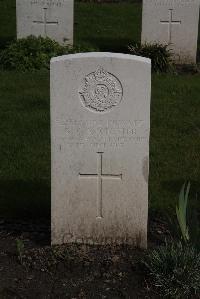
{"points": [[52, 18], [100, 122], [173, 23]]}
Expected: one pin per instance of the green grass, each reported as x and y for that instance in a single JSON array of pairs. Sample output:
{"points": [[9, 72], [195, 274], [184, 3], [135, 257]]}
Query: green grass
{"points": [[107, 26], [25, 144], [110, 27], [175, 137], [7, 21], [25, 128]]}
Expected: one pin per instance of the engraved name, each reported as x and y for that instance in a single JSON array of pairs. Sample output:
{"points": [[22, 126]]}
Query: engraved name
{"points": [[101, 133], [48, 3]]}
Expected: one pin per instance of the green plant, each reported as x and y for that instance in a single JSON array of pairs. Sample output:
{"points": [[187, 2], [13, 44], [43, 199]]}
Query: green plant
{"points": [[34, 53], [159, 54], [20, 249], [186, 225], [181, 212], [175, 270]]}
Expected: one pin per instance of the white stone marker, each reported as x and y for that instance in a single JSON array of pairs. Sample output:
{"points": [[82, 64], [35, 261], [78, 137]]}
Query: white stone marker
{"points": [[52, 18], [172, 22], [100, 122]]}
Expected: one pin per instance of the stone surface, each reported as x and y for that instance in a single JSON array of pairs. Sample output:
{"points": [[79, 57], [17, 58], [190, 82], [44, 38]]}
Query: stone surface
{"points": [[172, 22], [52, 18], [100, 122]]}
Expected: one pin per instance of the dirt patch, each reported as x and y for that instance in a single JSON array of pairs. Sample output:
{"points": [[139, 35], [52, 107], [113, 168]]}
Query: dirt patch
{"points": [[37, 270]]}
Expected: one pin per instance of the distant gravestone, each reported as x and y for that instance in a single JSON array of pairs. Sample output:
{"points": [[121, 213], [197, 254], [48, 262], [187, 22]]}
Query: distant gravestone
{"points": [[100, 122], [173, 23], [52, 18]]}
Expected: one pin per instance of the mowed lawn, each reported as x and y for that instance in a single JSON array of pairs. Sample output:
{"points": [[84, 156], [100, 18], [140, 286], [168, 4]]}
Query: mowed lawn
{"points": [[25, 122]]}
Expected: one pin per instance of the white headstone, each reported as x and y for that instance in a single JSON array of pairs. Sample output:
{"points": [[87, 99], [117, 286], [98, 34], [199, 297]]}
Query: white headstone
{"points": [[172, 22], [100, 122], [52, 18]]}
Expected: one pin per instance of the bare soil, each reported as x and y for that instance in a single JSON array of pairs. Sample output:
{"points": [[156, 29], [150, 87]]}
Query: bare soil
{"points": [[34, 269]]}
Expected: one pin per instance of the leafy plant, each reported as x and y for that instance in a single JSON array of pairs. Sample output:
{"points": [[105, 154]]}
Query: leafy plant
{"points": [[20, 249], [159, 54], [175, 270], [186, 225], [181, 211], [34, 53]]}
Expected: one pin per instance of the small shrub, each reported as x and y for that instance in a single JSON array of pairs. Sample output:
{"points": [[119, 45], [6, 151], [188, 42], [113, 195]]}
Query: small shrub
{"points": [[175, 270], [34, 53], [159, 54]]}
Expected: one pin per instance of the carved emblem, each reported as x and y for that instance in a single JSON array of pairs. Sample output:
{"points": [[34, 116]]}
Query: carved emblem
{"points": [[101, 91]]}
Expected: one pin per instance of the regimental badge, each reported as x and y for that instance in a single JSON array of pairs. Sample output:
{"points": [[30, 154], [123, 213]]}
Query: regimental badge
{"points": [[101, 91]]}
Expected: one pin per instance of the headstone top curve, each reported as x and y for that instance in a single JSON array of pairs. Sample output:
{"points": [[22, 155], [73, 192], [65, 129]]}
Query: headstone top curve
{"points": [[101, 55]]}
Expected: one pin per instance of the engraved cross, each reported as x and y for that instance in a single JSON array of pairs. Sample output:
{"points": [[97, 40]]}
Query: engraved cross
{"points": [[170, 22], [45, 22], [100, 176]]}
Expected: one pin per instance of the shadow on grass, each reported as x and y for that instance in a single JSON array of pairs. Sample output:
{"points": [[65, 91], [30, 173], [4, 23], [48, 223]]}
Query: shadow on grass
{"points": [[176, 186], [28, 200], [5, 41], [110, 45]]}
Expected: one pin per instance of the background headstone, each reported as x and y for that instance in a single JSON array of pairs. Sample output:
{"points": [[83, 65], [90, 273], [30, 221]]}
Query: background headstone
{"points": [[172, 22], [52, 18], [100, 123]]}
